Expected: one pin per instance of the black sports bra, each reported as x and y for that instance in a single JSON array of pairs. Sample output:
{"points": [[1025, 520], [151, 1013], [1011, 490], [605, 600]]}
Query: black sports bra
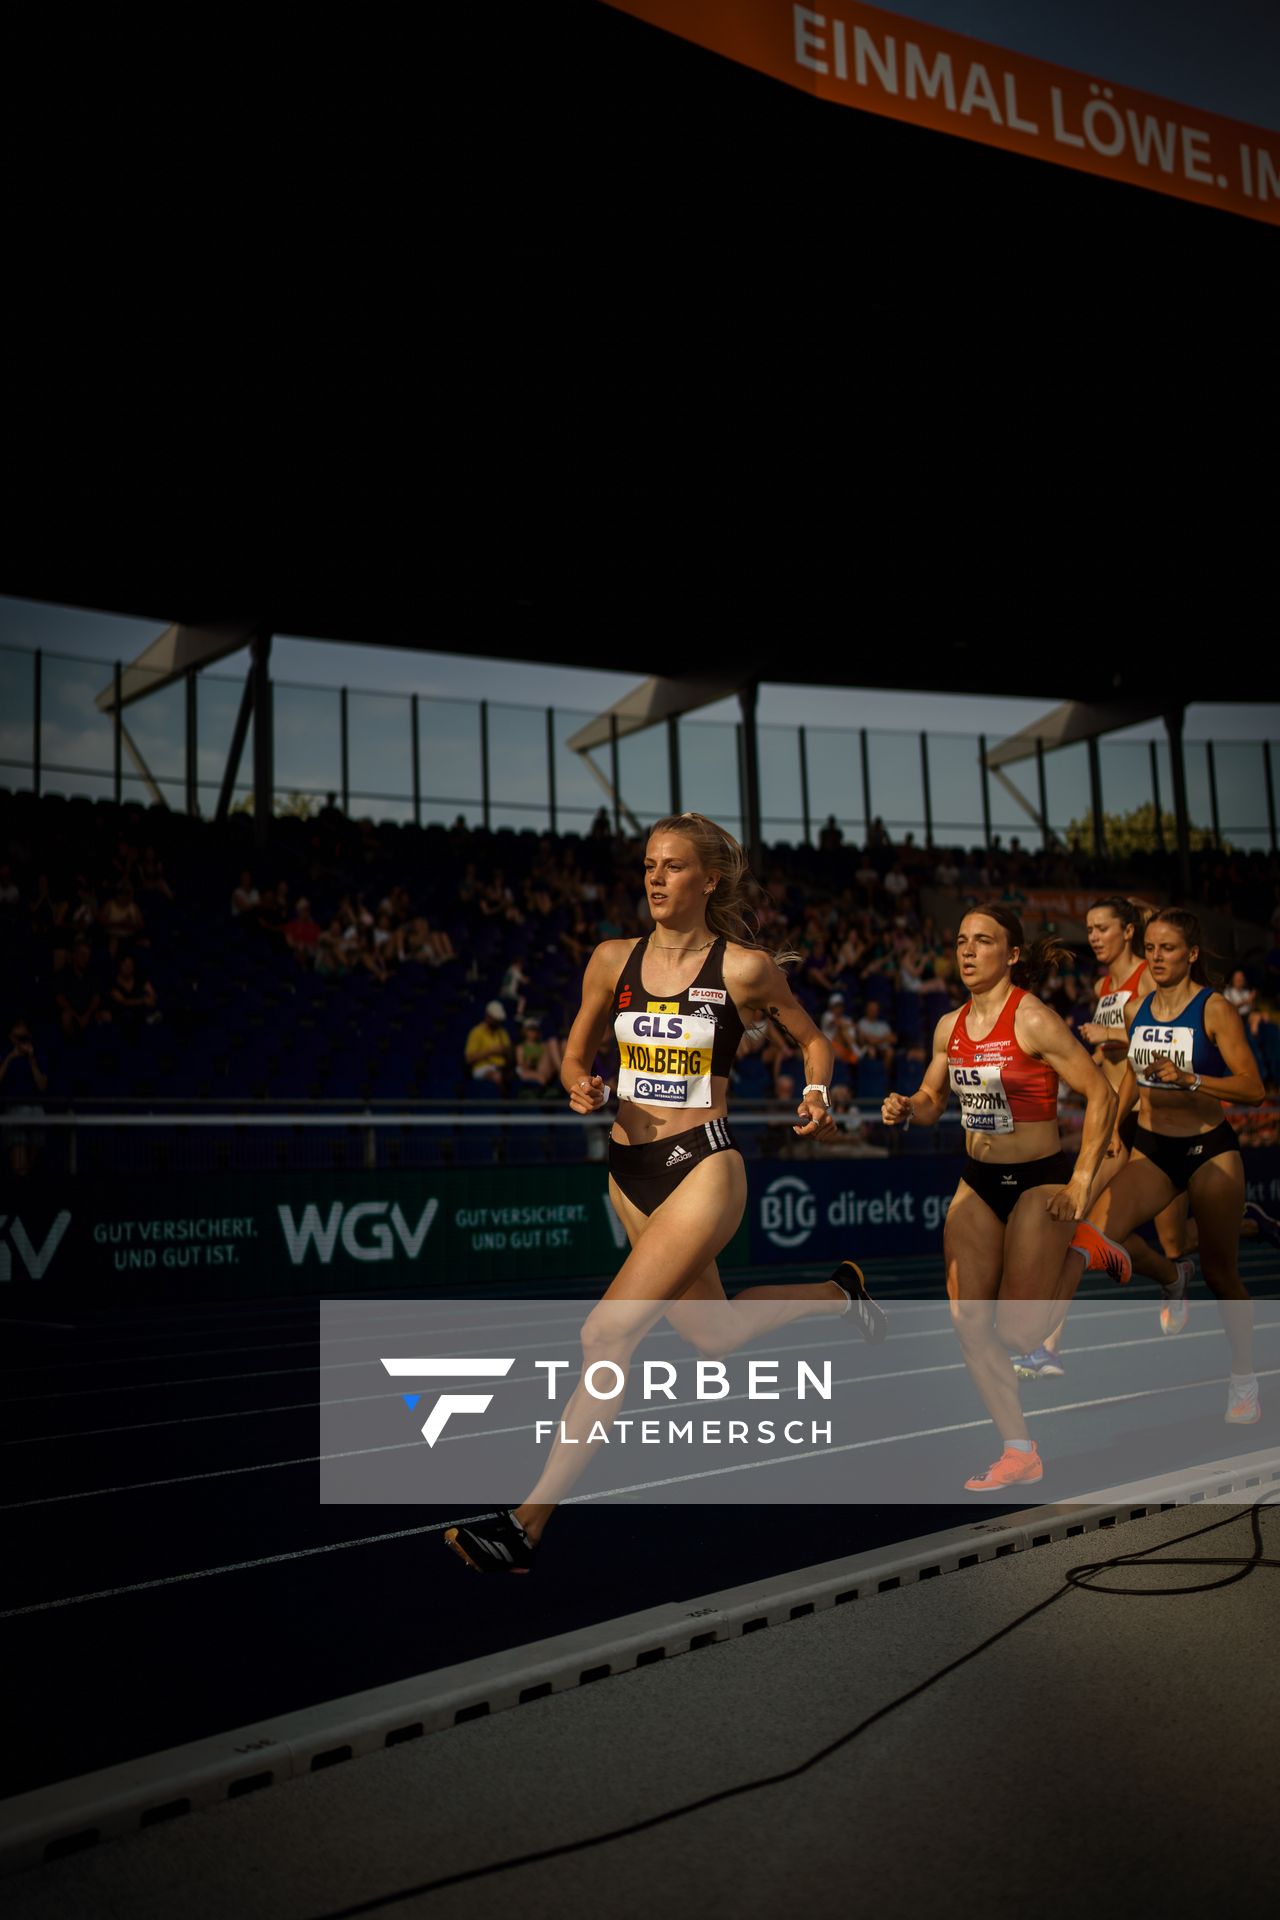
{"points": [[671, 1049]]}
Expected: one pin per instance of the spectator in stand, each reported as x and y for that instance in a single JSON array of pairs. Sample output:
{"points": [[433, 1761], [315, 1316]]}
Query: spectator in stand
{"points": [[133, 998], [302, 934], [1242, 996], [371, 955], [876, 1037], [386, 940], [538, 1061], [947, 874], [896, 883], [602, 826], [10, 896], [21, 1079], [331, 956], [440, 947], [843, 1041], [489, 1052], [79, 997], [498, 901], [877, 835], [831, 839], [151, 874], [514, 982], [121, 919], [274, 914], [868, 879], [245, 900], [40, 907], [850, 1142], [84, 914]]}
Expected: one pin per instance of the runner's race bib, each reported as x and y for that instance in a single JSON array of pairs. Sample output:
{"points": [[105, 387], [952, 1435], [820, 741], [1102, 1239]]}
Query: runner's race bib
{"points": [[1110, 1010], [666, 1058], [1149, 1043], [984, 1105]]}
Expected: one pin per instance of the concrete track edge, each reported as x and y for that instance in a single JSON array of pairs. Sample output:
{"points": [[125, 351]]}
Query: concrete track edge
{"points": [[77, 1813]]}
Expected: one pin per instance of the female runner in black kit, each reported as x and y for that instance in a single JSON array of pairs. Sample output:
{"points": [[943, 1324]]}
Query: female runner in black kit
{"points": [[676, 1176]]}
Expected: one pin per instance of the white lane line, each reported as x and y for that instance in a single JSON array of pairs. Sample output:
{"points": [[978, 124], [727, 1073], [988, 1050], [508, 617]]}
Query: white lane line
{"points": [[235, 1566], [272, 1373], [359, 1399], [406, 1533], [346, 1366], [452, 1331], [279, 1346], [672, 1406], [886, 1440]]}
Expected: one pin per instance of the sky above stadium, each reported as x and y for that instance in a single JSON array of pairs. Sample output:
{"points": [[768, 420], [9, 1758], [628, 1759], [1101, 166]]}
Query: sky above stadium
{"points": [[1222, 55], [320, 663]]}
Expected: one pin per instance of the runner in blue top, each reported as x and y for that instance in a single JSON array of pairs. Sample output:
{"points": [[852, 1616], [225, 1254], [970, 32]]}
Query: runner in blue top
{"points": [[1188, 1056]]}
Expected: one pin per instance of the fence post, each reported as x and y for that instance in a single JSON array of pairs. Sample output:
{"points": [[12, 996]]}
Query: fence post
{"points": [[484, 764], [37, 722], [117, 731], [342, 731], [551, 766], [417, 761], [804, 787]]}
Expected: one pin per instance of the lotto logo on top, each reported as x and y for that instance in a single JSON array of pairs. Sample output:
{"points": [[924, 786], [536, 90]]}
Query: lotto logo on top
{"points": [[715, 996]]}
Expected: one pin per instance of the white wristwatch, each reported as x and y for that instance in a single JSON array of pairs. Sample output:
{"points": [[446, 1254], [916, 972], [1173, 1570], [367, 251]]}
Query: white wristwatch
{"points": [[814, 1087]]}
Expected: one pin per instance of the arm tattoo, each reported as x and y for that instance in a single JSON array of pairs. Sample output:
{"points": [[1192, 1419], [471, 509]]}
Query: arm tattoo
{"points": [[787, 1035]]}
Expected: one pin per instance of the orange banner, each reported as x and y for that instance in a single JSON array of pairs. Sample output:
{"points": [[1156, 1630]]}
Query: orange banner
{"points": [[905, 70]]}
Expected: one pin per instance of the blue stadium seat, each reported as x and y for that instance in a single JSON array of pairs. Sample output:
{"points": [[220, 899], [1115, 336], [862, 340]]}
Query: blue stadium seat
{"points": [[873, 1081]]}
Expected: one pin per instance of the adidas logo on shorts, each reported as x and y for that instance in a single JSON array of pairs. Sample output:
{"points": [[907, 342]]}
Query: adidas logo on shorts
{"points": [[678, 1154]]}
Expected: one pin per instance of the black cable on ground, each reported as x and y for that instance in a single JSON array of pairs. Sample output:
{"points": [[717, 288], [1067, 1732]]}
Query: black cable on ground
{"points": [[1077, 1578]]}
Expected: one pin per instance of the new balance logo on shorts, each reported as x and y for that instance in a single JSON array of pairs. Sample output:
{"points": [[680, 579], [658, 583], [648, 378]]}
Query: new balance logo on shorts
{"points": [[1192, 1151], [678, 1154]]}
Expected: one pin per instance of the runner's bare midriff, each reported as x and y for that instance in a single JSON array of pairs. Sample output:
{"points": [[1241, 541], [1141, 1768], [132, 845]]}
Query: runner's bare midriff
{"points": [[636, 1125]]}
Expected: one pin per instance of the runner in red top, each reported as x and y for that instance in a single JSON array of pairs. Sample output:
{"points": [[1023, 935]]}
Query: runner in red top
{"points": [[1011, 1221]]}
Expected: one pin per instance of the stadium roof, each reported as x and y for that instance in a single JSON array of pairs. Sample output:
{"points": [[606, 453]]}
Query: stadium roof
{"points": [[665, 367]]}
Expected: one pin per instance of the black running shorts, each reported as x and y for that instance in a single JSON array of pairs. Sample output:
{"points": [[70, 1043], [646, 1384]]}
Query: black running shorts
{"points": [[1002, 1185], [1128, 1129], [1181, 1155], [647, 1174]]}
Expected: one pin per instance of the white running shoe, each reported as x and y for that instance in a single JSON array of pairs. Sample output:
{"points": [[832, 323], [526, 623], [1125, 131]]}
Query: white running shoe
{"points": [[1173, 1314], [1243, 1409]]}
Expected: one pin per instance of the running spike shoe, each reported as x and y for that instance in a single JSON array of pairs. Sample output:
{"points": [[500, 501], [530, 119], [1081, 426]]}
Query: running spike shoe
{"points": [[1042, 1363], [1012, 1466], [1243, 1409], [1173, 1314], [1102, 1255], [1267, 1226], [871, 1320], [492, 1543]]}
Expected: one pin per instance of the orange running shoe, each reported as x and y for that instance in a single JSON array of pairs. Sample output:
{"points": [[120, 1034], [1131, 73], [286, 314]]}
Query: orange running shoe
{"points": [[1012, 1466], [1100, 1254]]}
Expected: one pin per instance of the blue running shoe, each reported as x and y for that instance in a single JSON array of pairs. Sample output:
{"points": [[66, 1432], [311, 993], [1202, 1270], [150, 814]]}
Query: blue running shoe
{"points": [[1042, 1364]]}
